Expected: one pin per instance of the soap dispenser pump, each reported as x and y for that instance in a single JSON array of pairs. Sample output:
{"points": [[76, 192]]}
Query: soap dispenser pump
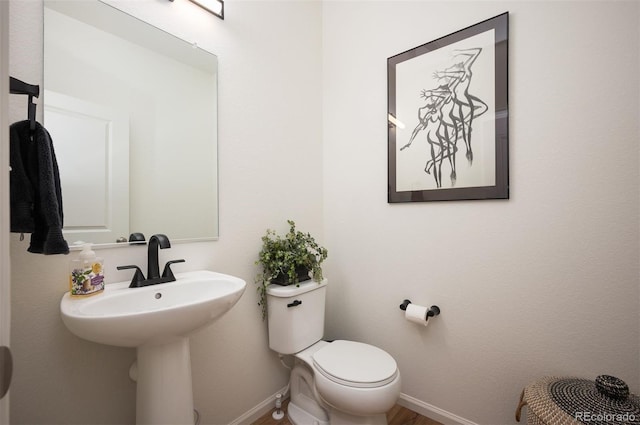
{"points": [[87, 276], [87, 254]]}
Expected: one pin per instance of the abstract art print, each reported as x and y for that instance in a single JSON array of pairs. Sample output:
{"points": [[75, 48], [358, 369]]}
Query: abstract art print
{"points": [[448, 117]]}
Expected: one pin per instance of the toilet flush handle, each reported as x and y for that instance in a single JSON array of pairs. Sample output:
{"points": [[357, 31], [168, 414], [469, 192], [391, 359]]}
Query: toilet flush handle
{"points": [[294, 304]]}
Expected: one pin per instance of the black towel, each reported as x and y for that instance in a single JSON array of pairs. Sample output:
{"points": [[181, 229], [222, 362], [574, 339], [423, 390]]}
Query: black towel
{"points": [[36, 196]]}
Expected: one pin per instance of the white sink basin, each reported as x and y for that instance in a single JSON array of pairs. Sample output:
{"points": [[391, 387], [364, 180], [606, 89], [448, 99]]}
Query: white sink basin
{"points": [[157, 320], [130, 317]]}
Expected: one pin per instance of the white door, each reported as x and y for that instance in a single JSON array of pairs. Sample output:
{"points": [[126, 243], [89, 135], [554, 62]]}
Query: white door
{"points": [[5, 296], [92, 149]]}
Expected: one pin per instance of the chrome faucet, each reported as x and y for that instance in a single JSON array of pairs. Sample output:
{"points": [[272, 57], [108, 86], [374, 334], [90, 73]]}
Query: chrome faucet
{"points": [[158, 241]]}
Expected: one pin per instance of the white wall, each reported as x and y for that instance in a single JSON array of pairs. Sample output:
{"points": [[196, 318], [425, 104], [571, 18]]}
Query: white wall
{"points": [[270, 170], [5, 281], [545, 283]]}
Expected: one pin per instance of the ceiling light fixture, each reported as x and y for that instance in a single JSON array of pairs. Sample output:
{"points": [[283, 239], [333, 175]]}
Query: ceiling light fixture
{"points": [[214, 6]]}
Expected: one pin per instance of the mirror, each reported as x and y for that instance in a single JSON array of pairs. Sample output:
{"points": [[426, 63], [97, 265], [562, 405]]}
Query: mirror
{"points": [[132, 112]]}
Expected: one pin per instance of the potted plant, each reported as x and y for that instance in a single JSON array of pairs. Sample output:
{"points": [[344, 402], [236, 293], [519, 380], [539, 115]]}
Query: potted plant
{"points": [[288, 260]]}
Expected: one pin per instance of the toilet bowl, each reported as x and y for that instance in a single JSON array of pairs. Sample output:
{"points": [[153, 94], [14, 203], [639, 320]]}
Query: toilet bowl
{"points": [[356, 378], [343, 382], [338, 383]]}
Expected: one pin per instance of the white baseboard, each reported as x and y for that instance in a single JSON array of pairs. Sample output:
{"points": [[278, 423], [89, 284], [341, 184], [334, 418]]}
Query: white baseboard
{"points": [[259, 410], [418, 406], [433, 412]]}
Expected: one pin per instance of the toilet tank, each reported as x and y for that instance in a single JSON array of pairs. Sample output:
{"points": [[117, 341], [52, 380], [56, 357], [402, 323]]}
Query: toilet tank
{"points": [[295, 315]]}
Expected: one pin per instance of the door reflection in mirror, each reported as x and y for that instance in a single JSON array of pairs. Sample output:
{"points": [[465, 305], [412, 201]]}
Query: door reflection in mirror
{"points": [[133, 112]]}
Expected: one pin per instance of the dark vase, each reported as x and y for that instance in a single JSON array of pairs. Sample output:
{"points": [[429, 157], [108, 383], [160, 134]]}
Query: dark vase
{"points": [[283, 279]]}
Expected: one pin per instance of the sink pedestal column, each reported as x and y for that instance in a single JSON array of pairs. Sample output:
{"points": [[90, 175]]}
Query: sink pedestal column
{"points": [[164, 393]]}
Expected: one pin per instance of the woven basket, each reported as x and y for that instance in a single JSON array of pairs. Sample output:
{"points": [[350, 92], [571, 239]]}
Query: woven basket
{"points": [[568, 401]]}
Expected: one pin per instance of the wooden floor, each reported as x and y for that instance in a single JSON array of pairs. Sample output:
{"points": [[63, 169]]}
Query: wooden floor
{"points": [[398, 415]]}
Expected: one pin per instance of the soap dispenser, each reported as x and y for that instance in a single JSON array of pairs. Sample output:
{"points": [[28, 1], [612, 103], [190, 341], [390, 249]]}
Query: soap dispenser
{"points": [[87, 276]]}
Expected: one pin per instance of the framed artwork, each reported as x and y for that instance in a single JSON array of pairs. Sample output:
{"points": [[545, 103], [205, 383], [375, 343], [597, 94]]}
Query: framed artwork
{"points": [[448, 116]]}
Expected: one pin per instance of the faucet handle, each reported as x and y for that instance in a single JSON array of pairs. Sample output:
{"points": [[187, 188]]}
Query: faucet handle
{"points": [[167, 272], [138, 276]]}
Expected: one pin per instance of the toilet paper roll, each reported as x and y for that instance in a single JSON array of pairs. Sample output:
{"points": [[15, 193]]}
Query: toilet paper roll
{"points": [[416, 314]]}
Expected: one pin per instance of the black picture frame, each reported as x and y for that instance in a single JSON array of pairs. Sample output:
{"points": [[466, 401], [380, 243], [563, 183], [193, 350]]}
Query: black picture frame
{"points": [[448, 117]]}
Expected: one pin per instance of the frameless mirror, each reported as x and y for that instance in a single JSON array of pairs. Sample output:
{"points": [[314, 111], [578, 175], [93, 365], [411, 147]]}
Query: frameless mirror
{"points": [[132, 112]]}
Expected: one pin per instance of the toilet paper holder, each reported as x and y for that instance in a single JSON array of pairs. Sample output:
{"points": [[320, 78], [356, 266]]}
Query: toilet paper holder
{"points": [[434, 310]]}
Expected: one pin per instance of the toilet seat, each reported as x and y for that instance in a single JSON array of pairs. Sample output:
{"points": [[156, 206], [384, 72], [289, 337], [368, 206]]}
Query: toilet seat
{"points": [[355, 364]]}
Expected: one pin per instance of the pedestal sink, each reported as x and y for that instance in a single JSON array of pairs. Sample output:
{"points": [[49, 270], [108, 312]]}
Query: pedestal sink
{"points": [[157, 320]]}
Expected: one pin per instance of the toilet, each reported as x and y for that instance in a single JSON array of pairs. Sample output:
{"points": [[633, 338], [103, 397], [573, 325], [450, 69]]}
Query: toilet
{"points": [[338, 382]]}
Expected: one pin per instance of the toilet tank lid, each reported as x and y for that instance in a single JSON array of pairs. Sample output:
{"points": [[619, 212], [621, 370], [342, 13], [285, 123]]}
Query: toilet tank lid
{"points": [[294, 290], [356, 364]]}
